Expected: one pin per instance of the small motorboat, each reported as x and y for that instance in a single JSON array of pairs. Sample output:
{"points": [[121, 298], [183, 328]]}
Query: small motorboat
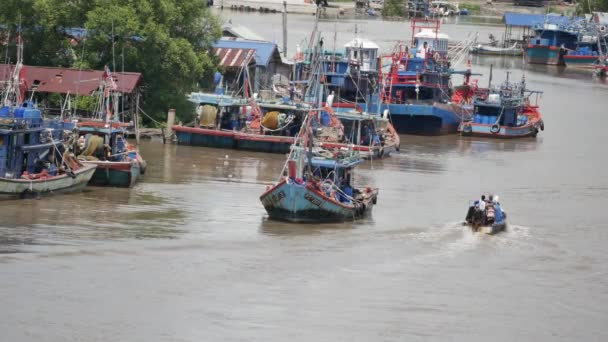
{"points": [[481, 49], [488, 218]]}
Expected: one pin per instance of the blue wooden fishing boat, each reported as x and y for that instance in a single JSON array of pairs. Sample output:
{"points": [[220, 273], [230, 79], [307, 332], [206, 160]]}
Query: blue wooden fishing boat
{"points": [[104, 145], [352, 74], [554, 38], [373, 136], [33, 160], [503, 112], [101, 141], [226, 121], [317, 186]]}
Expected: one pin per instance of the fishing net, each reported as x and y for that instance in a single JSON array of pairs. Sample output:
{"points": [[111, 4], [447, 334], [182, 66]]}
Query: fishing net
{"points": [[208, 116], [271, 120], [92, 144]]}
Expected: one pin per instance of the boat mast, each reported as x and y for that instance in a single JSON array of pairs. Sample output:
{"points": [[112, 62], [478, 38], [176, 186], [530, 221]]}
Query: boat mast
{"points": [[490, 80]]}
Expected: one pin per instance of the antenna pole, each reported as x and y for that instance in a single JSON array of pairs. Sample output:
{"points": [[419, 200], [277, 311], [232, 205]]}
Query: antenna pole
{"points": [[285, 28]]}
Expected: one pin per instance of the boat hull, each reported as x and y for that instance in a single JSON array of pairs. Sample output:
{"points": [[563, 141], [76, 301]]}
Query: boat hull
{"points": [[23, 188], [302, 203], [494, 51], [232, 140], [115, 174], [432, 119], [204, 137], [550, 55], [490, 229], [574, 61], [263, 143], [504, 132]]}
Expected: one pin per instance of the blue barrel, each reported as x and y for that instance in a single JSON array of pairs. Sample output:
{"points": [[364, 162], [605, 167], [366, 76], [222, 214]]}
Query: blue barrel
{"points": [[31, 114], [132, 155], [19, 113], [5, 112], [325, 119]]}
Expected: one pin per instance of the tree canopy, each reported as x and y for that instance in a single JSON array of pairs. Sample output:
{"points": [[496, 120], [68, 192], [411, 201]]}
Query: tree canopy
{"points": [[168, 41], [587, 6]]}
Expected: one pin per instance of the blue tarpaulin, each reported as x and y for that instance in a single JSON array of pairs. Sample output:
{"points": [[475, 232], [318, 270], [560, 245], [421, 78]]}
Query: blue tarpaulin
{"points": [[529, 20]]}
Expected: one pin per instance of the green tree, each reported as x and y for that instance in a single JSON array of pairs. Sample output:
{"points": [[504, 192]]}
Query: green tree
{"points": [[168, 41], [587, 6], [394, 8]]}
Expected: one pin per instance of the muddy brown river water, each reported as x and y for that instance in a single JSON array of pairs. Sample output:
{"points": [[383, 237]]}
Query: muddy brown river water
{"points": [[188, 255]]}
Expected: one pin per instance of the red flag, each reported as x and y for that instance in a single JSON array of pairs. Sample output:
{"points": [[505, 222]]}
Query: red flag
{"points": [[22, 83]]}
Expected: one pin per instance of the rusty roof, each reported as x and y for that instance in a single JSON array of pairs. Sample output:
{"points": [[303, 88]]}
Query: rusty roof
{"points": [[74, 81], [234, 57]]}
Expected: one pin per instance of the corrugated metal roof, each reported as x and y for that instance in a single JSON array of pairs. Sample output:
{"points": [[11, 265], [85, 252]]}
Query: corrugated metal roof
{"points": [[529, 20], [263, 50], [74, 81], [234, 58]]}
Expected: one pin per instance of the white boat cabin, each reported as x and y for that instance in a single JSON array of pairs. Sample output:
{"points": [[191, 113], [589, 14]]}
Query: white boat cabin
{"points": [[364, 52], [436, 41]]}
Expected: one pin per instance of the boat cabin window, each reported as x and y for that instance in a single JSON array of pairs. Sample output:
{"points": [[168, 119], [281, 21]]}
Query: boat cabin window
{"points": [[340, 176], [404, 95], [488, 110]]}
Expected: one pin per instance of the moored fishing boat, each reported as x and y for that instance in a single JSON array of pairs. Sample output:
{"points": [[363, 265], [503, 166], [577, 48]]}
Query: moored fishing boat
{"points": [[33, 160], [372, 136], [555, 37], [317, 186], [101, 141], [117, 162], [416, 89], [226, 121], [503, 112]]}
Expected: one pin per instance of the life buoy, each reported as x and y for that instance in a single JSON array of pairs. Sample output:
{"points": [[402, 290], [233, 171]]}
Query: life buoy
{"points": [[495, 128], [602, 28]]}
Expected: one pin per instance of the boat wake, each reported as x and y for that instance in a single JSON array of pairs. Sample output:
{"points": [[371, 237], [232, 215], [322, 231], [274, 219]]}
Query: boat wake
{"points": [[453, 239]]}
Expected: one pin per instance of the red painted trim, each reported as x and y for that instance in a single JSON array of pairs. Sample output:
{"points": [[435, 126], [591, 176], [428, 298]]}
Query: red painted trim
{"points": [[312, 189], [580, 57], [278, 185], [203, 131], [543, 47], [117, 166], [42, 180]]}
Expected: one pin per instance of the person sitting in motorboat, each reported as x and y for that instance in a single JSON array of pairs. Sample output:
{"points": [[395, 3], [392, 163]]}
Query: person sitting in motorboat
{"points": [[476, 212], [500, 214], [346, 188]]}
